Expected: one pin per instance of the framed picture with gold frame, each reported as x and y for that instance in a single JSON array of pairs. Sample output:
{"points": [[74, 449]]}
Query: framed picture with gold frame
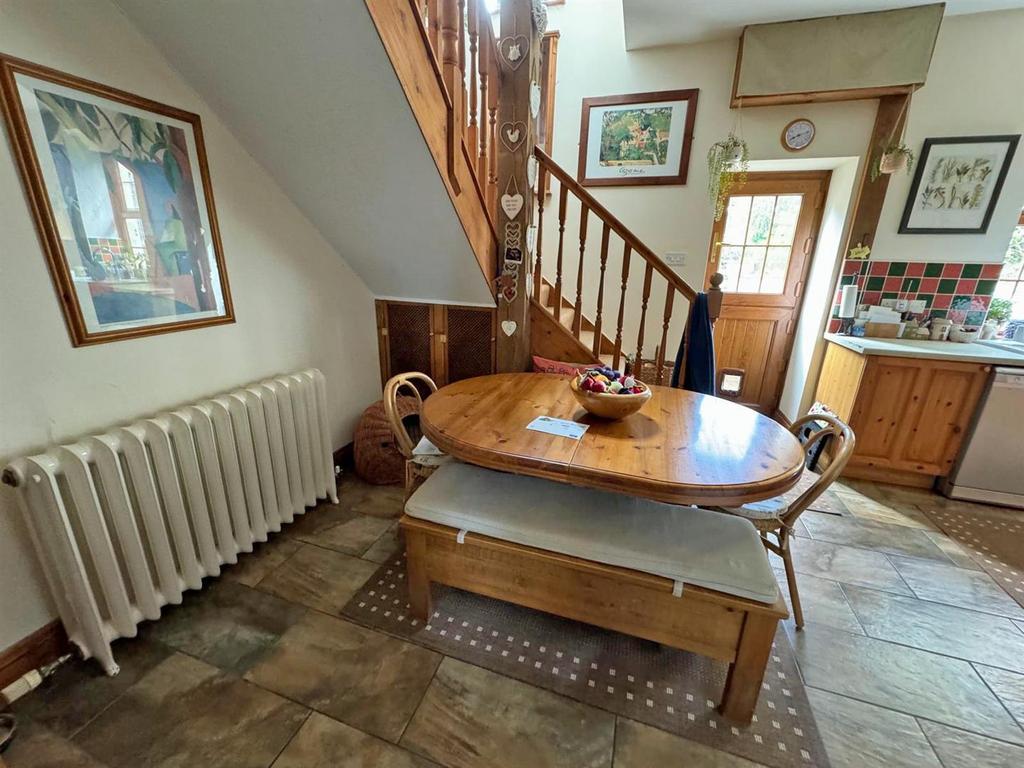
{"points": [[120, 191]]}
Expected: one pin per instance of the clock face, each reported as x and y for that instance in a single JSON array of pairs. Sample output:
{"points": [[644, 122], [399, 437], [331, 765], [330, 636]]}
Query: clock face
{"points": [[798, 135]]}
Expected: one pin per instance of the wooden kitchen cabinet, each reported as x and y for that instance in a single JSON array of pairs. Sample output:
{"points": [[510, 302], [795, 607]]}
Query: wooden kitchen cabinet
{"points": [[909, 414]]}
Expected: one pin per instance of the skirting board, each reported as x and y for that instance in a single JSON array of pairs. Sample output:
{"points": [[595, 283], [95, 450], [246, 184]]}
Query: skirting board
{"points": [[46, 644]]}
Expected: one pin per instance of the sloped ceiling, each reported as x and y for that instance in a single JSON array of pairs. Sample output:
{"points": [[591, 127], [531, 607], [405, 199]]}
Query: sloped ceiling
{"points": [[310, 92], [650, 23]]}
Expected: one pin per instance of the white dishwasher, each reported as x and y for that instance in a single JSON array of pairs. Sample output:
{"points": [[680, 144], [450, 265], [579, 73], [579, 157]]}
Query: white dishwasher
{"points": [[990, 468]]}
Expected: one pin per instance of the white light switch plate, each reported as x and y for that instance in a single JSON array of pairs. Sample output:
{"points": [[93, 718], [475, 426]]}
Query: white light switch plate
{"points": [[675, 258], [890, 303], [918, 305]]}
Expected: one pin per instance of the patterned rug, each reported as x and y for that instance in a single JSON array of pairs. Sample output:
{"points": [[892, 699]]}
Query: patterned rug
{"points": [[995, 539], [667, 688]]}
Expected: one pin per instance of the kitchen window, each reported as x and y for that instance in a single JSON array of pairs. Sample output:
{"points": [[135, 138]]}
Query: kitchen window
{"points": [[1011, 280]]}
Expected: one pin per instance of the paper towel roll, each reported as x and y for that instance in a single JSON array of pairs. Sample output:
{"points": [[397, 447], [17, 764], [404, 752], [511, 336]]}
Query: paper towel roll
{"points": [[848, 305]]}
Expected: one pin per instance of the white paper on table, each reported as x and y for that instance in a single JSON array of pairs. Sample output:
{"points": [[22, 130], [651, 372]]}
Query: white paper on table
{"points": [[559, 427]]}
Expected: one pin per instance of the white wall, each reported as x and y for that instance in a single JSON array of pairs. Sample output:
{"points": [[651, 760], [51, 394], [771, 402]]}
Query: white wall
{"points": [[297, 302], [974, 89]]}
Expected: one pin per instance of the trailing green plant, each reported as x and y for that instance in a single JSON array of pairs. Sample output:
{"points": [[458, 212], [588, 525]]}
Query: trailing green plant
{"points": [[1000, 310], [728, 161], [895, 156]]}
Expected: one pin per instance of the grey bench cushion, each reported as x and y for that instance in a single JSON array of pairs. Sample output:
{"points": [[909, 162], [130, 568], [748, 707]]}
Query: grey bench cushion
{"points": [[694, 546]]}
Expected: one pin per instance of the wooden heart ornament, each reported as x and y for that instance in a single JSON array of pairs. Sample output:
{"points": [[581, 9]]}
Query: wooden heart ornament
{"points": [[513, 49], [508, 327], [512, 204], [534, 99], [513, 134]]}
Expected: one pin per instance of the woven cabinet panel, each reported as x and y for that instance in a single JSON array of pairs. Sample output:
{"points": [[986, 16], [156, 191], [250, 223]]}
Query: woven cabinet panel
{"points": [[470, 351], [408, 338]]}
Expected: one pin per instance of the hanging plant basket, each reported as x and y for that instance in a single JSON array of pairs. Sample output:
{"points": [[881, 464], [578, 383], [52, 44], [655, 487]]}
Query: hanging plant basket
{"points": [[728, 161], [893, 159]]}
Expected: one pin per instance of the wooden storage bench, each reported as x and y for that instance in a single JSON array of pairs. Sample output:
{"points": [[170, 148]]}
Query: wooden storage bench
{"points": [[736, 630]]}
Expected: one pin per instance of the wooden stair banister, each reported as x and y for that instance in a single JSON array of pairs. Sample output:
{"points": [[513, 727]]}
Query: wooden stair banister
{"points": [[573, 316], [570, 184]]}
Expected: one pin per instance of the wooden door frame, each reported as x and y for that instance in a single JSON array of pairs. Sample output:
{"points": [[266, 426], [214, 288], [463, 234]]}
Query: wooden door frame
{"points": [[795, 282]]}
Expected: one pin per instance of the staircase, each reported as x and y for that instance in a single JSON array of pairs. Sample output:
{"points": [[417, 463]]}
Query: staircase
{"points": [[609, 299], [581, 321]]}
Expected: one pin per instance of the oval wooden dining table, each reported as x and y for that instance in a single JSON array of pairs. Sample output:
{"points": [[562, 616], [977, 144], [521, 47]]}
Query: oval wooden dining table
{"points": [[681, 447]]}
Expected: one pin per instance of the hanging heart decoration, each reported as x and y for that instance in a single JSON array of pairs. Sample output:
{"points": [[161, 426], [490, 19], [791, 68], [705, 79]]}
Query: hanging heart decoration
{"points": [[508, 327], [531, 238], [513, 134], [513, 50], [507, 286], [531, 171], [534, 99], [511, 203]]}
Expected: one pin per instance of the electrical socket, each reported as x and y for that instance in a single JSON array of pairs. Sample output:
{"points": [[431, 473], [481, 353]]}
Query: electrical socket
{"points": [[676, 258], [918, 305], [890, 303]]}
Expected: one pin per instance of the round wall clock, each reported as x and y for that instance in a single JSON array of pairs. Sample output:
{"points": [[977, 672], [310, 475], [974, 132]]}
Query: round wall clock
{"points": [[798, 134]]}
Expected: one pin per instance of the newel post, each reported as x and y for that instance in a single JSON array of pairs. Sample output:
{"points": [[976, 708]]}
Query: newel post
{"points": [[715, 296], [519, 63]]}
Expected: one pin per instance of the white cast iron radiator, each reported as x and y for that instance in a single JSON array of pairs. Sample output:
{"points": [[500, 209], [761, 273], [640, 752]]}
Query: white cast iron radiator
{"points": [[125, 521]]}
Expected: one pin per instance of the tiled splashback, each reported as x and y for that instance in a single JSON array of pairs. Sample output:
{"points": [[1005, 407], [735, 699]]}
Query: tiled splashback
{"points": [[942, 286]]}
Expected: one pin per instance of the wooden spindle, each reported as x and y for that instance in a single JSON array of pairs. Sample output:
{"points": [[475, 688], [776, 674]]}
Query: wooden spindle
{"points": [[563, 195], [433, 26], [474, 93], [605, 233], [492, 116], [577, 318], [638, 362], [538, 276], [666, 319], [450, 33], [482, 168], [622, 306]]}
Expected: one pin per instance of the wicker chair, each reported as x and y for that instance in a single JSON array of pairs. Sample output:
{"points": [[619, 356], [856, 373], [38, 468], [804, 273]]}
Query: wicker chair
{"points": [[776, 516], [421, 456]]}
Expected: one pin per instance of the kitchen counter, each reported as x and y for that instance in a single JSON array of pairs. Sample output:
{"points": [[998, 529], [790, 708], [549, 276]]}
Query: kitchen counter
{"points": [[971, 352]]}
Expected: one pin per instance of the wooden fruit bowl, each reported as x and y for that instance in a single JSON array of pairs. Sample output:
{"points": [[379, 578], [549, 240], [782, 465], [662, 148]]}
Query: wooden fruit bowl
{"points": [[608, 406]]}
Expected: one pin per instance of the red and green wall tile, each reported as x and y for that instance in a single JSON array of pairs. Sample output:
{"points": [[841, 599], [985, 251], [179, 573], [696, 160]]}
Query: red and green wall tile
{"points": [[942, 286]]}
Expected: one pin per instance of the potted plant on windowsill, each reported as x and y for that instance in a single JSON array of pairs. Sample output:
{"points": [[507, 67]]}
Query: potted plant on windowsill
{"points": [[728, 161]]}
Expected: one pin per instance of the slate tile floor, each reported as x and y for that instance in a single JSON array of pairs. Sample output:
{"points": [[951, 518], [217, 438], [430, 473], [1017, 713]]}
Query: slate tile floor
{"points": [[913, 657]]}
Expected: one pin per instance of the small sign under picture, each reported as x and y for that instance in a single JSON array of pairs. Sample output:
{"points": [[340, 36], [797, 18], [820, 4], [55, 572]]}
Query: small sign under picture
{"points": [[956, 185], [635, 139]]}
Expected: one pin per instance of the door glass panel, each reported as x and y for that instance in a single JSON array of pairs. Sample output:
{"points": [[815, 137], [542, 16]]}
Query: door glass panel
{"points": [[787, 209], [760, 219], [729, 265], [775, 267], [750, 272], [736, 216], [757, 242]]}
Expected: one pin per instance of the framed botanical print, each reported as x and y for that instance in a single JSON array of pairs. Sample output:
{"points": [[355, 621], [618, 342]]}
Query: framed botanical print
{"points": [[957, 184], [120, 192], [639, 138]]}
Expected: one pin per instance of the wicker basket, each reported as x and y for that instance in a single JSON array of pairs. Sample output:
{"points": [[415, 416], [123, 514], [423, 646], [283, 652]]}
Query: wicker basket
{"points": [[377, 456]]}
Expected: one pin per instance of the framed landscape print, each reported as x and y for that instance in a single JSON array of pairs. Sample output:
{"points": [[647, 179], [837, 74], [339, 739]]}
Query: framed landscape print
{"points": [[640, 138], [956, 185], [120, 192]]}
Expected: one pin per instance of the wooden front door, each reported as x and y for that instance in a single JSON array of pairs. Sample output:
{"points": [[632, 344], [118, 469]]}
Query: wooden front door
{"points": [[762, 246]]}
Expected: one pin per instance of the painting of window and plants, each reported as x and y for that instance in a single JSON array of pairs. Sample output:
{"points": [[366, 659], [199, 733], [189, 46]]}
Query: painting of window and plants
{"points": [[635, 136], [638, 138], [957, 184], [131, 234]]}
